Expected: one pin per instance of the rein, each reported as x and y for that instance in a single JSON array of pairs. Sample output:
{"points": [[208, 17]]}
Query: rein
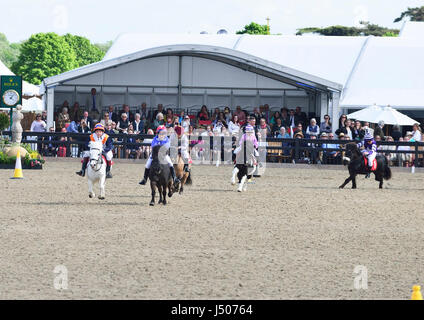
{"points": [[97, 160]]}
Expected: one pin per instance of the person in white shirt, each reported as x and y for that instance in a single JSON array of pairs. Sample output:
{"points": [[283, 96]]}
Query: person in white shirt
{"points": [[234, 126], [416, 132], [38, 125]]}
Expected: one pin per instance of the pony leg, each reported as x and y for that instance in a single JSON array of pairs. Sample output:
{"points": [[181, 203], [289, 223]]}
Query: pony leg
{"points": [[153, 187], [233, 178], [90, 189], [170, 189], [354, 182], [164, 195], [102, 182], [379, 178], [346, 182], [242, 182], [160, 193]]}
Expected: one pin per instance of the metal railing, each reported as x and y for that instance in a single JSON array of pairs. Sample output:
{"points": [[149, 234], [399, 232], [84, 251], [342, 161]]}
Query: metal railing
{"points": [[296, 148]]}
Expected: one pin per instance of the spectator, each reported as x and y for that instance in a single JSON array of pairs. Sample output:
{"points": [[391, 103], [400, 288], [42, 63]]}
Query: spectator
{"points": [[123, 123], [169, 122], [276, 127], [396, 134], [76, 112], [234, 126], [342, 121], [105, 119], [72, 128], [313, 153], [331, 156], [144, 113], [265, 113], [113, 116], [416, 130], [146, 149], [62, 119], [405, 157], [285, 119], [181, 117], [312, 129], [379, 130], [358, 133], [169, 115], [138, 124], [391, 157], [301, 116], [155, 113], [114, 130], [126, 110], [264, 126], [326, 125], [256, 114], [83, 127], [299, 129], [367, 128], [131, 150], [44, 116], [346, 129], [221, 119], [158, 121], [203, 114], [49, 147], [274, 118], [186, 123], [283, 134], [227, 114], [38, 125], [240, 115], [87, 119], [215, 114], [292, 121]]}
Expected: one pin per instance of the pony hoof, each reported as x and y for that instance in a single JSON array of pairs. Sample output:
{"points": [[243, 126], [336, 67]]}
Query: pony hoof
{"points": [[101, 198], [164, 203], [152, 203], [181, 192], [340, 187], [170, 194], [91, 195]]}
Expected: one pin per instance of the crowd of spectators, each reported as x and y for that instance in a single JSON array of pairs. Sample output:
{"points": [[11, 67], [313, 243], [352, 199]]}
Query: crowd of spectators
{"points": [[283, 123]]}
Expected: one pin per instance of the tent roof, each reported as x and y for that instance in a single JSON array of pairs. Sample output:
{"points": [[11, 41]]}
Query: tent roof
{"points": [[223, 54], [28, 88], [330, 58], [389, 72]]}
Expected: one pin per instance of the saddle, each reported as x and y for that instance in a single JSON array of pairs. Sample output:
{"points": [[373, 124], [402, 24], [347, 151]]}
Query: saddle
{"points": [[374, 163]]}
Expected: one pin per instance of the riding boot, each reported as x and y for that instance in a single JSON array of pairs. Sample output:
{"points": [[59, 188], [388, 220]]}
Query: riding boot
{"points": [[146, 175], [83, 168], [186, 167], [108, 174], [174, 177], [368, 175]]}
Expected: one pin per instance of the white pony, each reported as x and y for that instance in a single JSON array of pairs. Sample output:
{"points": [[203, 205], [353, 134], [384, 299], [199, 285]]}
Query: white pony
{"points": [[96, 169]]}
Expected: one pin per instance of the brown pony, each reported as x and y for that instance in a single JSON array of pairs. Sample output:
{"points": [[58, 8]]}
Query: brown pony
{"points": [[185, 177]]}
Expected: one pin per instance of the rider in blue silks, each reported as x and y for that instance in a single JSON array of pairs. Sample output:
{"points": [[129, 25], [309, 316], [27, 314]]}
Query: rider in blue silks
{"points": [[161, 139], [370, 150]]}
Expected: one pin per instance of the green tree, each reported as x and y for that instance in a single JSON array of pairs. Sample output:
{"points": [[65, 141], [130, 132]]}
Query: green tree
{"points": [[416, 14], [254, 28], [44, 55], [367, 29], [85, 52], [9, 52]]}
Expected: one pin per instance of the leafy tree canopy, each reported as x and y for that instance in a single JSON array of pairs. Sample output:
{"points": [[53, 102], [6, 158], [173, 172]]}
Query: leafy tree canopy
{"points": [[415, 14], [367, 29], [44, 55], [9, 52], [85, 52], [254, 28]]}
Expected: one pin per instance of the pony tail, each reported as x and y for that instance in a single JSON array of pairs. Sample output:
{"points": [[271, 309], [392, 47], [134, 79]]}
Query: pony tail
{"points": [[387, 172], [189, 181]]}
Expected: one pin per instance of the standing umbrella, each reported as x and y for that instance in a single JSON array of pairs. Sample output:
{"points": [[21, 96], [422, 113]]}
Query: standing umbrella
{"points": [[375, 113]]}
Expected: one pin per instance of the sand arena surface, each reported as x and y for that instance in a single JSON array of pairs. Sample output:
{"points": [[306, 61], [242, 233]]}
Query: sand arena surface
{"points": [[292, 235]]}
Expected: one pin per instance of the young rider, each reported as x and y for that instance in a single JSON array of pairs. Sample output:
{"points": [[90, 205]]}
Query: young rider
{"points": [[183, 146], [99, 135], [370, 150], [161, 139], [249, 135]]}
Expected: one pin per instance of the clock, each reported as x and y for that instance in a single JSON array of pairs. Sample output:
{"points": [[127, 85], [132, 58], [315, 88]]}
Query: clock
{"points": [[10, 97]]}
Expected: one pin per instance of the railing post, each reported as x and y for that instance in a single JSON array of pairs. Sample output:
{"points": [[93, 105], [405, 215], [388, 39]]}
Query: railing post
{"points": [[68, 145], [296, 149], [124, 147], [416, 154]]}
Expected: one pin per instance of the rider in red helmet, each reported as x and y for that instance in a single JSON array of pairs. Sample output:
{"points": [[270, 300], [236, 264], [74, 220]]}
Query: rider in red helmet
{"points": [[99, 135]]}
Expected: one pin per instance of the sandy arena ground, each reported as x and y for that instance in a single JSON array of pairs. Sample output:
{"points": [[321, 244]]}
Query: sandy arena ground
{"points": [[292, 235]]}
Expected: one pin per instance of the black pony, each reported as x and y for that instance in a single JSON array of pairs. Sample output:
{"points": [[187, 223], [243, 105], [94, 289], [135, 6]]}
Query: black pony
{"points": [[357, 166], [160, 175]]}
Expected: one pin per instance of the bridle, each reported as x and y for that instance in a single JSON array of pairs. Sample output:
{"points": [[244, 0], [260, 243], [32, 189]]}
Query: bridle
{"points": [[99, 160]]}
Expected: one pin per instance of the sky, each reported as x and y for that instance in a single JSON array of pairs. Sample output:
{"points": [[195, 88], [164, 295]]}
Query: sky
{"points": [[104, 20]]}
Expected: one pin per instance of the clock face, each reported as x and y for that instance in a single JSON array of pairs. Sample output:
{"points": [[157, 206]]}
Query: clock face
{"points": [[10, 97]]}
